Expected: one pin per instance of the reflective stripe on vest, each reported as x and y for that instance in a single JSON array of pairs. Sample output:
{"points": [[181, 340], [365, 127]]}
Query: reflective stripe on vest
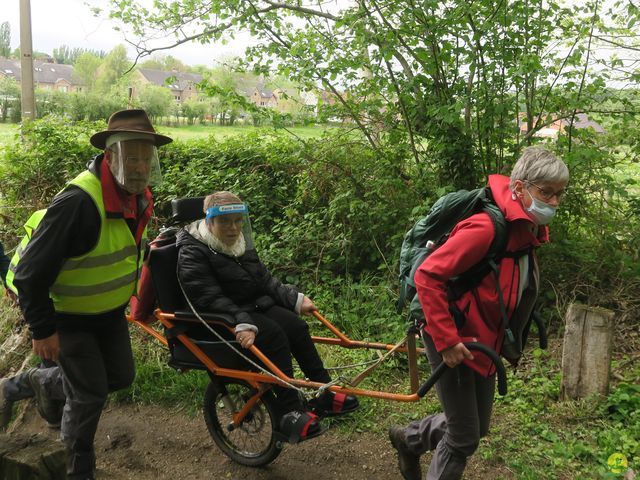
{"points": [[29, 227]]}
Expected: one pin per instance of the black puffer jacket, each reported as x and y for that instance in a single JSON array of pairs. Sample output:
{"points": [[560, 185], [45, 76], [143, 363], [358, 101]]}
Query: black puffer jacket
{"points": [[219, 283]]}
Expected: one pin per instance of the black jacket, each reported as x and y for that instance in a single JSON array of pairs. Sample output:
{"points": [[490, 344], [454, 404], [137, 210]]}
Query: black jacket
{"points": [[219, 283]]}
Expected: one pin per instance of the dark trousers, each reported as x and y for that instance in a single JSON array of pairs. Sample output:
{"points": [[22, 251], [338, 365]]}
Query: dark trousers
{"points": [[94, 363], [281, 335], [48, 375], [467, 400]]}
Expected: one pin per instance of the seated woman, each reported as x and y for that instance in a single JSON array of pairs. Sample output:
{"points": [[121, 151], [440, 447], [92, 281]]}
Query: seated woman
{"points": [[221, 272]]}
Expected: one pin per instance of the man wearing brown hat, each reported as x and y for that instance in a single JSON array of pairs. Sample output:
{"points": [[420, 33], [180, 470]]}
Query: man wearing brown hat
{"points": [[77, 272]]}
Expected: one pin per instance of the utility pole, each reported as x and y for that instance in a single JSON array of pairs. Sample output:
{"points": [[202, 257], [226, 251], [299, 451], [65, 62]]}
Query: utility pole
{"points": [[26, 62]]}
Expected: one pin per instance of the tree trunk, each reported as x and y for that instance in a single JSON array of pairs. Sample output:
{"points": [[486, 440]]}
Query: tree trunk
{"points": [[586, 356]]}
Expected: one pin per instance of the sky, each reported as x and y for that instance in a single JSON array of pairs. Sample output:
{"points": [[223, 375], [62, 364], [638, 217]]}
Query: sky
{"points": [[71, 22]]}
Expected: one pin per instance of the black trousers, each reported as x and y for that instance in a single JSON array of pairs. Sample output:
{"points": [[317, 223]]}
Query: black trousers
{"points": [[282, 334], [94, 363]]}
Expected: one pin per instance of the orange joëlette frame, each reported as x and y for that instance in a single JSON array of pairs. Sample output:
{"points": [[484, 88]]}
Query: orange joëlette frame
{"points": [[258, 380]]}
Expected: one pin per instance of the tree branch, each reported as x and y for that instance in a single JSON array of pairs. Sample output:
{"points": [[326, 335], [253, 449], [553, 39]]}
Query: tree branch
{"points": [[617, 44], [298, 8], [584, 72]]}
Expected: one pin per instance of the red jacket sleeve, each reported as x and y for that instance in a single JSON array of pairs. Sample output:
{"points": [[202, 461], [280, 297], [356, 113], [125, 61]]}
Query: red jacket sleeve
{"points": [[468, 243]]}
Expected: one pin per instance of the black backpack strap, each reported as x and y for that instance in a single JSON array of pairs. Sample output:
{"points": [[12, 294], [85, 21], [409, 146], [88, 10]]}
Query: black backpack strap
{"points": [[503, 309]]}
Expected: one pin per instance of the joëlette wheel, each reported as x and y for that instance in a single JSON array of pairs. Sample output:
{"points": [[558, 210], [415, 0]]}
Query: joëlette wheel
{"points": [[254, 442]]}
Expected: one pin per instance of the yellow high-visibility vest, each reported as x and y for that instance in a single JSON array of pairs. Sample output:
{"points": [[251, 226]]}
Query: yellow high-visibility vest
{"points": [[104, 278], [29, 227]]}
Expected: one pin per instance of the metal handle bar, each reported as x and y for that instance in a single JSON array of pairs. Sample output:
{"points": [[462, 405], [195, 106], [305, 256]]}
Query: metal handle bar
{"points": [[493, 356]]}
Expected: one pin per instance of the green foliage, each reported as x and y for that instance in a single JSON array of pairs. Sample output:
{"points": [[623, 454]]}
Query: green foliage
{"points": [[9, 100], [193, 110], [112, 70], [33, 171], [320, 207], [156, 100], [164, 62], [94, 106], [51, 102], [539, 437], [67, 55], [85, 69], [5, 39]]}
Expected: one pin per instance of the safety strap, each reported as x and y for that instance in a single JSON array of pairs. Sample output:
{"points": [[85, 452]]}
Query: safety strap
{"points": [[503, 309]]}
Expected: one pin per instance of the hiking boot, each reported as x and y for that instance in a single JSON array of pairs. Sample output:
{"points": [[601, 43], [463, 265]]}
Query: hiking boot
{"points": [[50, 410], [330, 404], [6, 406], [298, 426], [408, 462]]}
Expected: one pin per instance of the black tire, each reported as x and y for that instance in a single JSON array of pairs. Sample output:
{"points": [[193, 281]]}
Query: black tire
{"points": [[254, 442]]}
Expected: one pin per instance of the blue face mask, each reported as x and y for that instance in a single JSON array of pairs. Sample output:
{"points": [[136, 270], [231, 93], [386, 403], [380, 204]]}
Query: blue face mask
{"points": [[540, 212]]}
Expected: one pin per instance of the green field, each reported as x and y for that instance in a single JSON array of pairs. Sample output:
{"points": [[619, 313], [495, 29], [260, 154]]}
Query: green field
{"points": [[199, 131], [9, 130]]}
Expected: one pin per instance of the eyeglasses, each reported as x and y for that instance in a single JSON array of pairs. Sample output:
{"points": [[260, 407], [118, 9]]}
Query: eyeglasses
{"points": [[227, 222], [547, 194]]}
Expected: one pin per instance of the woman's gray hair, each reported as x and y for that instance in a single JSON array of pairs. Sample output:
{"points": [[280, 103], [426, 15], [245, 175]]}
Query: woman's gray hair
{"points": [[220, 198], [537, 164]]}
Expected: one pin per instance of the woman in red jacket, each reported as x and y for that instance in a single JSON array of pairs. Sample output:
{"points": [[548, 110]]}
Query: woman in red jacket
{"points": [[528, 201]]}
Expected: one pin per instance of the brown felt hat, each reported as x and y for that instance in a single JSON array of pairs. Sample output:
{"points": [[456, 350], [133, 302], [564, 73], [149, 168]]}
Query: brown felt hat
{"points": [[128, 121]]}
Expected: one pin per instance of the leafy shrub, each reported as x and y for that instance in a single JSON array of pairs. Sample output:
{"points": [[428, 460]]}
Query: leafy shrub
{"points": [[324, 207], [54, 150]]}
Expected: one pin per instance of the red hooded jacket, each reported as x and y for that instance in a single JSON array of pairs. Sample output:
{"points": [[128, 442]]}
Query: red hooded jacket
{"points": [[467, 245]]}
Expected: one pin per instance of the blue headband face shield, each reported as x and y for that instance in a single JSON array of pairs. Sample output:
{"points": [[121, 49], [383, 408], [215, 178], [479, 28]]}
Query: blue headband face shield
{"points": [[228, 222]]}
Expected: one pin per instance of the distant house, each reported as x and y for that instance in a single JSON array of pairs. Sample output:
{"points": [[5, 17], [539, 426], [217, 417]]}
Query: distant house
{"points": [[46, 75], [289, 100], [263, 97], [560, 125], [181, 84]]}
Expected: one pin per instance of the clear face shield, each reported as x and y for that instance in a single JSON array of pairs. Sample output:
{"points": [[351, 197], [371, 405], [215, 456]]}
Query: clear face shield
{"points": [[230, 223], [134, 164]]}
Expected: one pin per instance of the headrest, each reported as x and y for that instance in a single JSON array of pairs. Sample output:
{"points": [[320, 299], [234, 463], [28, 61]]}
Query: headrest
{"points": [[187, 209]]}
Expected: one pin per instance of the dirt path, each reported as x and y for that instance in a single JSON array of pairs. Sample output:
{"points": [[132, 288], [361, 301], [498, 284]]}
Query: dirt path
{"points": [[152, 443]]}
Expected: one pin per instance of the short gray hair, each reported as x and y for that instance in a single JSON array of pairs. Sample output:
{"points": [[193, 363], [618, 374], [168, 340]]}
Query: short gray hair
{"points": [[537, 164], [220, 198]]}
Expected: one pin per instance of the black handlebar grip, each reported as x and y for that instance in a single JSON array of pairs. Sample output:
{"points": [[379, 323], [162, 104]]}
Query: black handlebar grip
{"points": [[493, 356]]}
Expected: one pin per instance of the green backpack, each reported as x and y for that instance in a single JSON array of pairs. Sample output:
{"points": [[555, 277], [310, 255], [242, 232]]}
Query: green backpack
{"points": [[433, 230]]}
